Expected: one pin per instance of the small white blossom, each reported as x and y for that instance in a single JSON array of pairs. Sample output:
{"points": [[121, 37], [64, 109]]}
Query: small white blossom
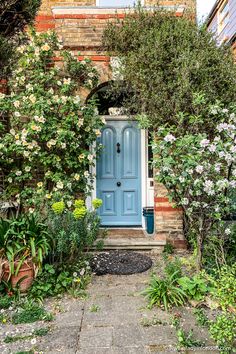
{"points": [[204, 143], [169, 138], [227, 231]]}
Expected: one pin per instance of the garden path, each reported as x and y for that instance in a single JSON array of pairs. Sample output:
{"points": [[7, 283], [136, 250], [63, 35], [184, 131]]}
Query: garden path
{"points": [[113, 319]]}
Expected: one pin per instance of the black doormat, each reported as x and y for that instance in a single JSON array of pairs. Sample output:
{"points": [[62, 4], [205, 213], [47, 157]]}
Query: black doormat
{"points": [[120, 262]]}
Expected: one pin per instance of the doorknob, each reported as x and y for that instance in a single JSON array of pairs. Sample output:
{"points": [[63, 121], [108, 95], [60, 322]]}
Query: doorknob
{"points": [[118, 184], [118, 147]]}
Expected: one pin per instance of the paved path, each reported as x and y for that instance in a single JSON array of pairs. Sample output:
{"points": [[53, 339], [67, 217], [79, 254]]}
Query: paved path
{"points": [[111, 321]]}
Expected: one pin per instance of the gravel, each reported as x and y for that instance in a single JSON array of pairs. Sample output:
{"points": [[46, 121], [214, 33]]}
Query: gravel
{"points": [[120, 262]]}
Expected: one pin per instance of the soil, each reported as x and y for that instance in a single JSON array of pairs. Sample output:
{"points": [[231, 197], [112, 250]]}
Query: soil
{"points": [[120, 263]]}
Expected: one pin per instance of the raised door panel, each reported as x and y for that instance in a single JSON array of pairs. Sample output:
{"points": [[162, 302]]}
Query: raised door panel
{"points": [[130, 153], [107, 159], [109, 203], [130, 204]]}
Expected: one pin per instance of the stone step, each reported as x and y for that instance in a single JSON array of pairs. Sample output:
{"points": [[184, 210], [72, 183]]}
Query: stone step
{"points": [[145, 244], [125, 233]]}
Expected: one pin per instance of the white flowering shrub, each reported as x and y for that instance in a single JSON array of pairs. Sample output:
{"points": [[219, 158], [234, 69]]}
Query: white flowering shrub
{"points": [[199, 172], [45, 151]]}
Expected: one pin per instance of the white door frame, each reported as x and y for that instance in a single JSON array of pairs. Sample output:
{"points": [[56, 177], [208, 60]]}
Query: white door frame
{"points": [[143, 167]]}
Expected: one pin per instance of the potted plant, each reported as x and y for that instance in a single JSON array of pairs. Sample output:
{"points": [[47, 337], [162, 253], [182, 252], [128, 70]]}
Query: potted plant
{"points": [[24, 242]]}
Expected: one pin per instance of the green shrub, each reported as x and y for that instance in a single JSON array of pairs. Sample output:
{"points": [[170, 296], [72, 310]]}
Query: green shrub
{"points": [[223, 331], [225, 287], [164, 292], [72, 234], [173, 267], [5, 302], [55, 280], [195, 288], [31, 312]]}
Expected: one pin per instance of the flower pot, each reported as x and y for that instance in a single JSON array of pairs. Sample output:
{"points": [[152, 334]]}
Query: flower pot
{"points": [[23, 279]]}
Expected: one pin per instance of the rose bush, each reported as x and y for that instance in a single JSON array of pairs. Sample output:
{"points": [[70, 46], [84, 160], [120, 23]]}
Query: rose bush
{"points": [[199, 173], [44, 150]]}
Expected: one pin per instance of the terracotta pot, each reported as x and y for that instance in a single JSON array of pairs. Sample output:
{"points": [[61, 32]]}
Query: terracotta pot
{"points": [[26, 272]]}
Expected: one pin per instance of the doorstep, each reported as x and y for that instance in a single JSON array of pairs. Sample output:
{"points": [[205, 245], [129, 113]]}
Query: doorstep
{"points": [[130, 239]]}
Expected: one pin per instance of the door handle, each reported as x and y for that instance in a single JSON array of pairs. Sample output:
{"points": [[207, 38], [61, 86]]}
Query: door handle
{"points": [[118, 184], [118, 147]]}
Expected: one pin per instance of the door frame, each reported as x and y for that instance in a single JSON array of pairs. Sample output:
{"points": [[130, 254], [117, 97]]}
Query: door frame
{"points": [[143, 166]]}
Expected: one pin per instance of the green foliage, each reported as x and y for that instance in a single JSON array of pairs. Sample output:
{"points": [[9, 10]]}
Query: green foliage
{"points": [[54, 280], [186, 340], [164, 292], [94, 308], [224, 287], [18, 13], [51, 146], [165, 61], [173, 267], [223, 331], [37, 332], [31, 312], [23, 237], [168, 248], [198, 171], [71, 234], [201, 317], [5, 302], [195, 288]]}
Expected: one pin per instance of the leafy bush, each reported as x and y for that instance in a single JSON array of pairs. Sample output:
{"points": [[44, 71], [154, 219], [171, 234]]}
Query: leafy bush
{"points": [[5, 302], [173, 267], [195, 288], [225, 286], [73, 231], [24, 237], [54, 280], [164, 292], [223, 331]]}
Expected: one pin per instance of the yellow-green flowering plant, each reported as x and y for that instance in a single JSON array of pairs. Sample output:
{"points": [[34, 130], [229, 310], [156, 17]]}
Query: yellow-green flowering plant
{"points": [[97, 203], [74, 229], [45, 153]]}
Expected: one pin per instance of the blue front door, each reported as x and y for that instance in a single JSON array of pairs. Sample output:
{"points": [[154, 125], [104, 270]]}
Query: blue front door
{"points": [[118, 174]]}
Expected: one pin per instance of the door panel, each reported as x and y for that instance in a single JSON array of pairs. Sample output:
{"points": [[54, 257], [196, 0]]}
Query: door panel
{"points": [[118, 174]]}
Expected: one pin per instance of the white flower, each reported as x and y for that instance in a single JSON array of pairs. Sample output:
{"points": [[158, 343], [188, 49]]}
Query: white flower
{"points": [[204, 143], [26, 153], [17, 114], [90, 157], [181, 179], [12, 131], [9, 179], [103, 120], [86, 174], [208, 187], [75, 274], [67, 81], [45, 47], [91, 75], [77, 177], [16, 104], [212, 148], [64, 99], [51, 143], [32, 98], [69, 203], [82, 272], [185, 201], [59, 185], [36, 128], [217, 167], [225, 110], [27, 168], [33, 341], [227, 231], [63, 145], [199, 168], [18, 173], [2, 95], [222, 184], [80, 122], [76, 99], [98, 132], [169, 138]]}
